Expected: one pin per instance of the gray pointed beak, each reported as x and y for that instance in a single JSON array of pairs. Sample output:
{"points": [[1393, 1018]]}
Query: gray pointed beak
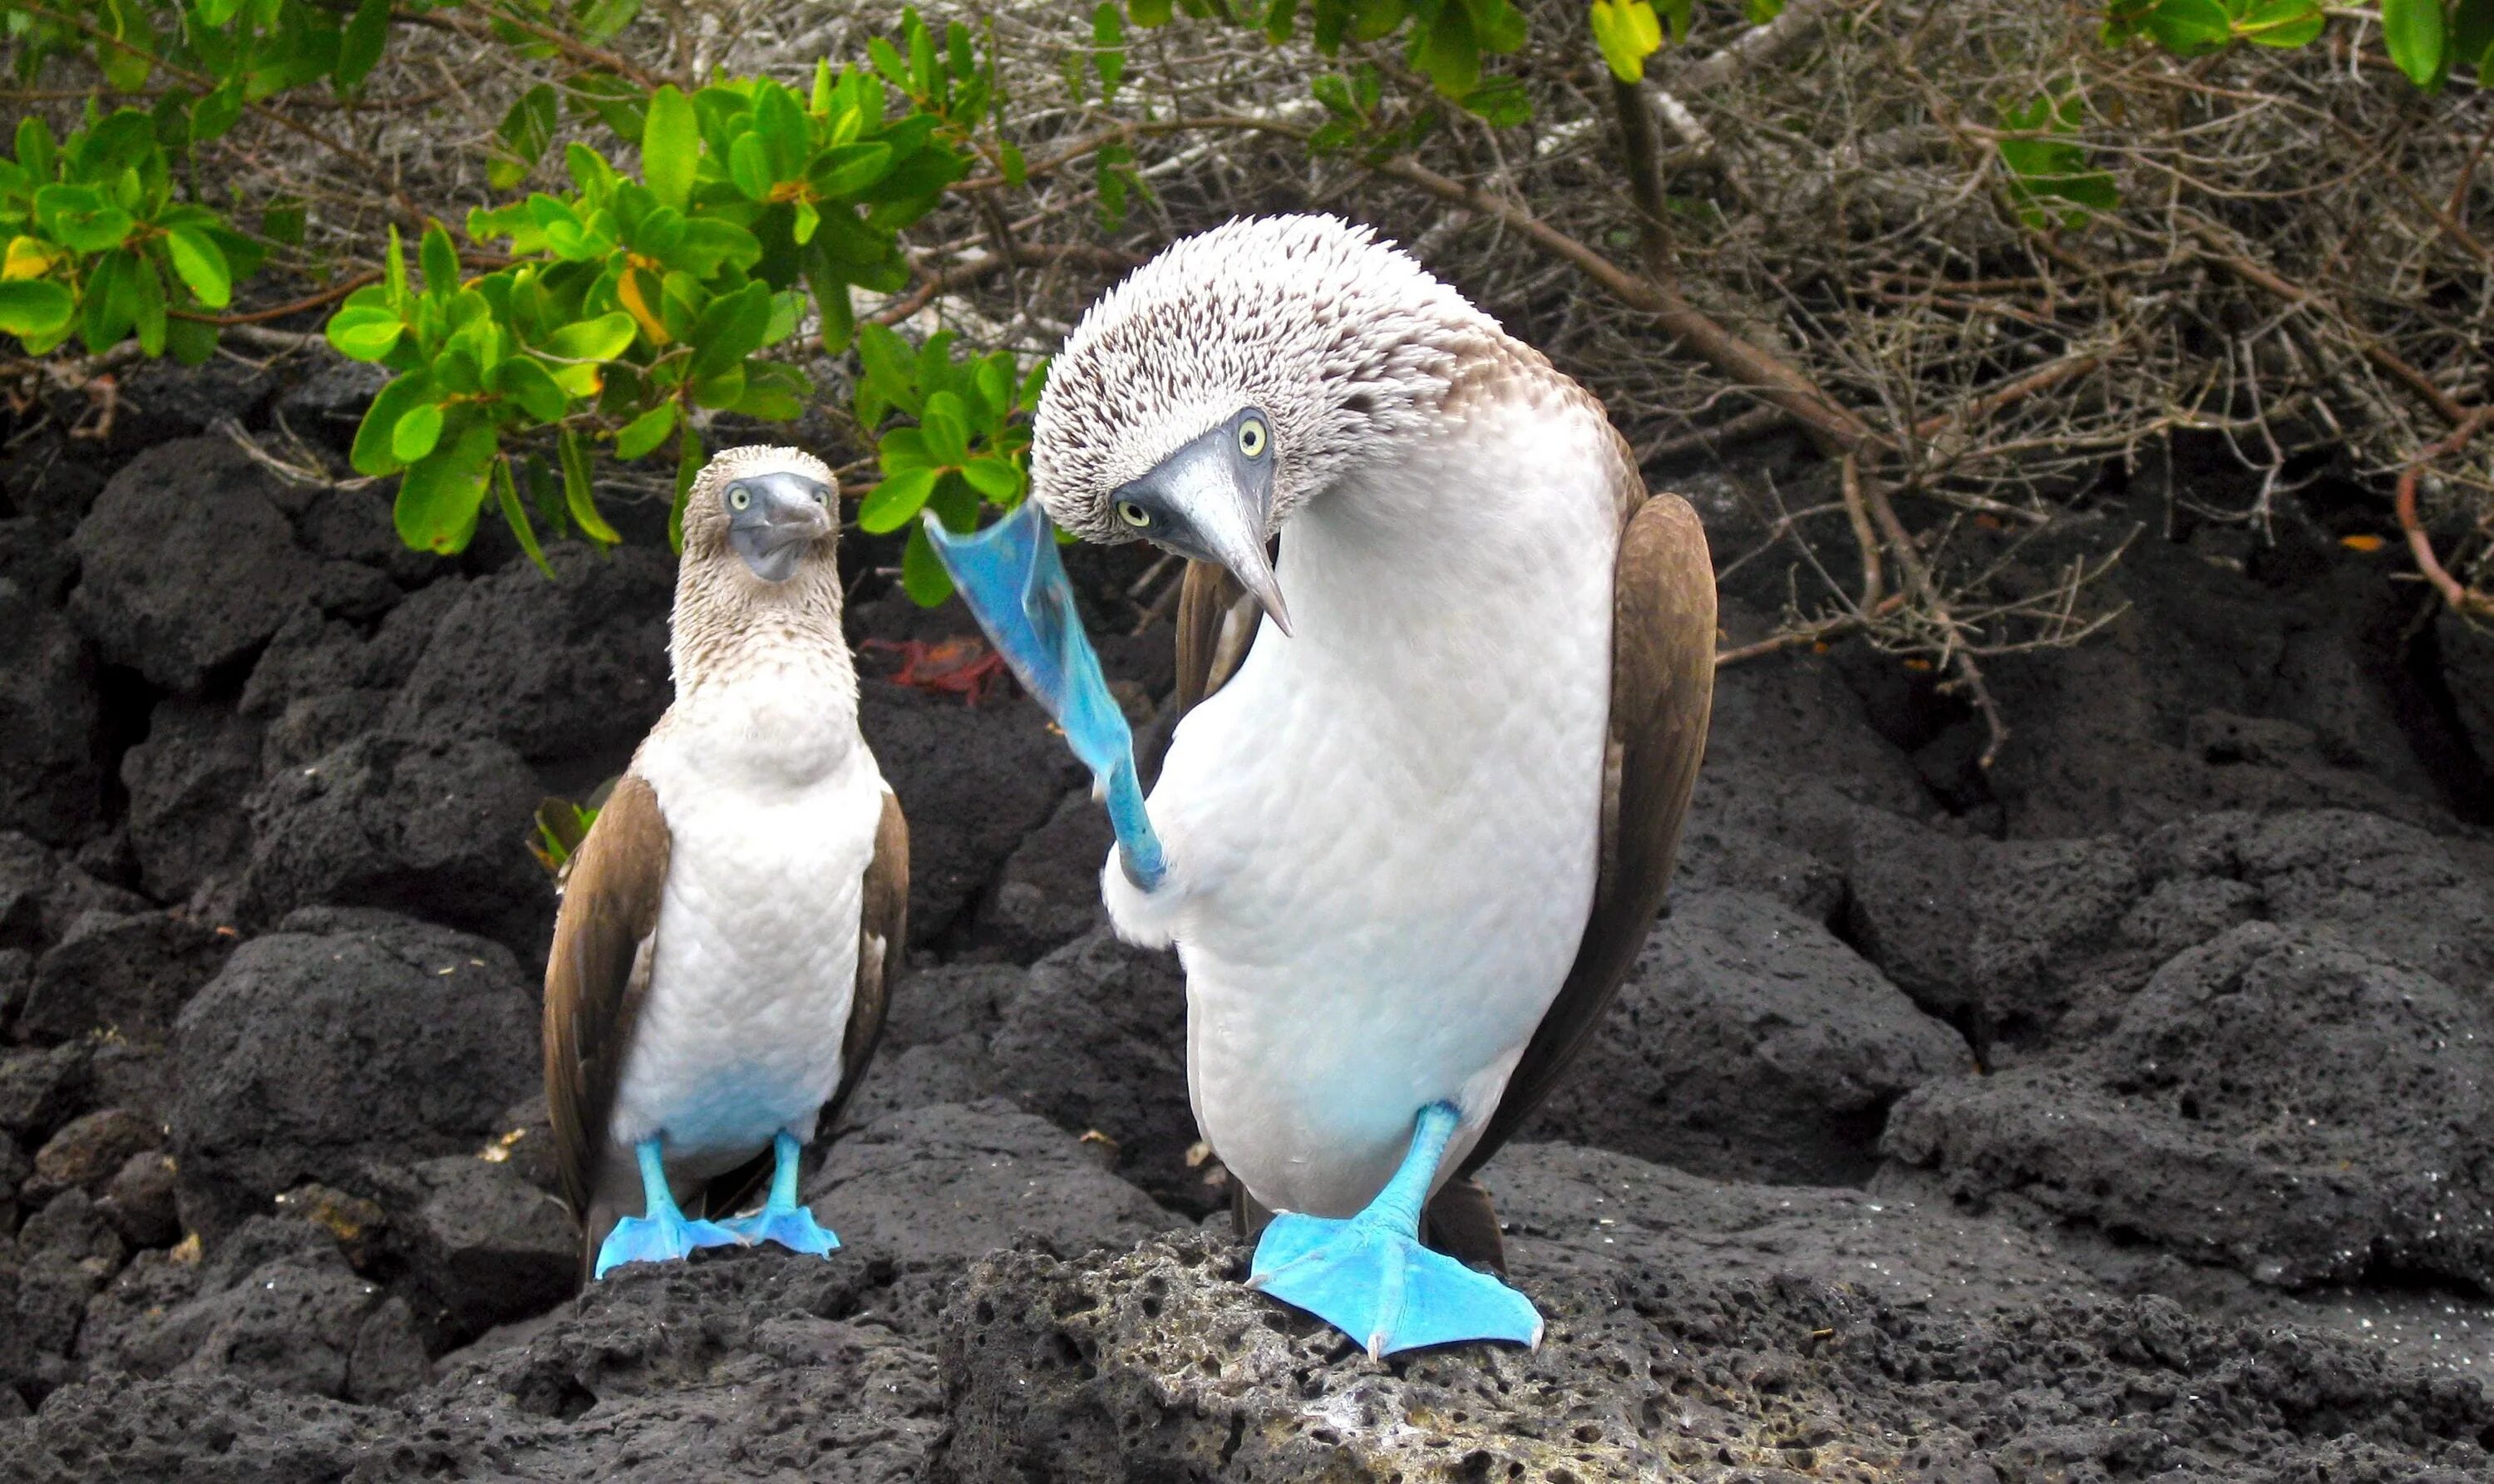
{"points": [[785, 513], [1206, 502]]}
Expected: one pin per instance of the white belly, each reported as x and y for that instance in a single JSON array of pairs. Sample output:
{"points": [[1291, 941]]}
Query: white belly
{"points": [[1383, 837], [754, 961]]}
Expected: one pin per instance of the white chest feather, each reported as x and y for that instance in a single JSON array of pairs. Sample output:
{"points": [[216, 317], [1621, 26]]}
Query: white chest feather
{"points": [[771, 801], [1383, 833]]}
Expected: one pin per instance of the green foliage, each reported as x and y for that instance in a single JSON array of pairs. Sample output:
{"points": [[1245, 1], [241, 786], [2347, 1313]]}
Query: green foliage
{"points": [[1444, 41], [2426, 38], [965, 440], [2049, 175], [100, 248]]}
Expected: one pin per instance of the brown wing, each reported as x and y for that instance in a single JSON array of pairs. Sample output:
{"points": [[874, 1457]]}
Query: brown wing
{"points": [[593, 976], [1216, 622], [1662, 692], [883, 933]]}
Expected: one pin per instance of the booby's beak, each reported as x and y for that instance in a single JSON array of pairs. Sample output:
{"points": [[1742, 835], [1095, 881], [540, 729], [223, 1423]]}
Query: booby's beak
{"points": [[773, 518], [1209, 501]]}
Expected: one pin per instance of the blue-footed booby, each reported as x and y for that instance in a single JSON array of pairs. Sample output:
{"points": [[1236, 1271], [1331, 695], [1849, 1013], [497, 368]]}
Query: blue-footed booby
{"points": [[732, 923], [1419, 813]]}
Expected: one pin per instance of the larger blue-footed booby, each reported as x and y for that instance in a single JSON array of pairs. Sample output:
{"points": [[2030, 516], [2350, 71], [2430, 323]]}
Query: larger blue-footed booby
{"points": [[731, 923], [1420, 815]]}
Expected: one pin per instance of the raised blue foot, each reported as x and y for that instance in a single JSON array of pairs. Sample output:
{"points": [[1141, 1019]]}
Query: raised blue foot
{"points": [[1014, 584], [663, 1233], [781, 1220], [1369, 1277]]}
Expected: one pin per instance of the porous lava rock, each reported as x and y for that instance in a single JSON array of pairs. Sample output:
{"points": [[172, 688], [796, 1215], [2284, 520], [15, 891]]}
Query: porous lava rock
{"points": [[1663, 1360], [187, 784], [126, 973], [974, 781], [570, 667], [51, 715], [1747, 1041], [2278, 1099], [432, 825], [343, 1037], [186, 564], [1094, 1040]]}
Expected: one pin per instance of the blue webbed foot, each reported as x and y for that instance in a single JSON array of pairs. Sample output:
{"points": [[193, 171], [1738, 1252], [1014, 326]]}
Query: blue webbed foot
{"points": [[1369, 1277], [662, 1236], [795, 1229], [663, 1233], [1384, 1288]]}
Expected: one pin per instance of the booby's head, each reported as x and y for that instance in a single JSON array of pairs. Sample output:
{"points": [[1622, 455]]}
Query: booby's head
{"points": [[1234, 377], [768, 510]]}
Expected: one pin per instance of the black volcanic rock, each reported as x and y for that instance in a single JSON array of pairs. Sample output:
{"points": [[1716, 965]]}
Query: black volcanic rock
{"points": [[2277, 1100], [564, 668], [436, 825], [344, 1037], [1749, 1042], [187, 563], [50, 724]]}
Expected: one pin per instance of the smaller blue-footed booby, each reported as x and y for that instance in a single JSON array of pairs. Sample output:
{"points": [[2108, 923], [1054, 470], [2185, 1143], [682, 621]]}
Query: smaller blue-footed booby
{"points": [[731, 926], [1421, 807]]}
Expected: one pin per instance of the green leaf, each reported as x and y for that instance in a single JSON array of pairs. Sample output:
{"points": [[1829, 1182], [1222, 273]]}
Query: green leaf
{"points": [[1149, 13], [190, 341], [785, 134], [1107, 49], [996, 479], [216, 112], [145, 290], [602, 339], [921, 572], [516, 516], [202, 265], [526, 380], [1627, 33], [32, 306], [598, 20], [773, 392], [749, 165], [578, 497], [439, 498], [946, 426], [688, 467], [670, 147], [78, 217], [1500, 101], [2472, 36], [2190, 28], [521, 139], [372, 453], [361, 45], [2413, 31], [845, 169], [365, 332], [283, 222], [731, 329], [903, 449], [889, 505], [2284, 24], [416, 433], [646, 432], [440, 264]]}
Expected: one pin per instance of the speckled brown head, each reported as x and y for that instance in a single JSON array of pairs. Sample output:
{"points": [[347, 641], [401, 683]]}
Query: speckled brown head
{"points": [[761, 558], [1238, 375]]}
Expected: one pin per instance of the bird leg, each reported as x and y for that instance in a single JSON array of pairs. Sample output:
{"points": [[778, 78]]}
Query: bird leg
{"points": [[662, 1232], [781, 1220], [1369, 1277], [1015, 586]]}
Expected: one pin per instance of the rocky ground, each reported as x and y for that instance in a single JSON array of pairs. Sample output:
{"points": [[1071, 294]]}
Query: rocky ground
{"points": [[2124, 1112]]}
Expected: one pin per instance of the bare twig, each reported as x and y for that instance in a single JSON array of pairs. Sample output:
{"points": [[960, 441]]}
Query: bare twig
{"points": [[2460, 598]]}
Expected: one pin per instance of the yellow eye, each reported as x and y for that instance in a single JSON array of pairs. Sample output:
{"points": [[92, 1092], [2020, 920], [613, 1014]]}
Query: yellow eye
{"points": [[1251, 438], [739, 498], [1132, 514]]}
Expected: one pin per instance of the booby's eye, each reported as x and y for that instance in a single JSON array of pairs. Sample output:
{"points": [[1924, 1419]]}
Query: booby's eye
{"points": [[1251, 438], [1134, 514], [739, 498]]}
